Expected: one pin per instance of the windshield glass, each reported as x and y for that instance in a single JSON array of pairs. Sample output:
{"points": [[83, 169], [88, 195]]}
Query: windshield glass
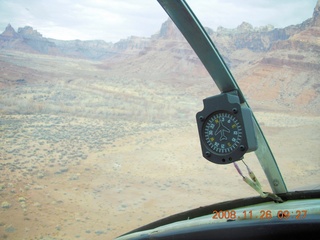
{"points": [[99, 137]]}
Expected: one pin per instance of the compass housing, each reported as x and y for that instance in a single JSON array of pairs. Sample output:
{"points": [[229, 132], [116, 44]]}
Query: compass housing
{"points": [[226, 129]]}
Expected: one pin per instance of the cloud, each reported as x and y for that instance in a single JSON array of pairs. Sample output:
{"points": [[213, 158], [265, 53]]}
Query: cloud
{"points": [[113, 20], [231, 13]]}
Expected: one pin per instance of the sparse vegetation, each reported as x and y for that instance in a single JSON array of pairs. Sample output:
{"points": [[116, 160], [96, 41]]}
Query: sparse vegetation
{"points": [[88, 145]]}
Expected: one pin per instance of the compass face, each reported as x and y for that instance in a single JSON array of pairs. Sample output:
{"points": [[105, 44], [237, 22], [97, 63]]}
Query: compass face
{"points": [[222, 133]]}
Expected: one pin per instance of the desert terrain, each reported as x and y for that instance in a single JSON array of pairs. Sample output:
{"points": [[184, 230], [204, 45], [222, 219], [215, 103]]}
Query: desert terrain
{"points": [[93, 148], [93, 159]]}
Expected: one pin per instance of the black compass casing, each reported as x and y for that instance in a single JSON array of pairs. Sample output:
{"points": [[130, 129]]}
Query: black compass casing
{"points": [[226, 129]]}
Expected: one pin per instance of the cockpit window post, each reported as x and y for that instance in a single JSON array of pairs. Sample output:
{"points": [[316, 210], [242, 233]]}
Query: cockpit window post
{"points": [[188, 24]]}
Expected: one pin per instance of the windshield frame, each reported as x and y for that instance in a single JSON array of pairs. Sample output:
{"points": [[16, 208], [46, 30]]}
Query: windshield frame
{"points": [[191, 28]]}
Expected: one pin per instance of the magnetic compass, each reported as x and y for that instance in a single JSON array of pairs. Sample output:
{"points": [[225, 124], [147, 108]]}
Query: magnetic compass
{"points": [[226, 129], [222, 132]]}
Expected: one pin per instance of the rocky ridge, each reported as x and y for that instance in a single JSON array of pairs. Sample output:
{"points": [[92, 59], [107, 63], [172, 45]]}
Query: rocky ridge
{"points": [[245, 36], [283, 63], [78, 134]]}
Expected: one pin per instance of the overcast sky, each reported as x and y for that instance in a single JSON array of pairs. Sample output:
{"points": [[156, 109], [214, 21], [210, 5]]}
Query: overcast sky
{"points": [[112, 20]]}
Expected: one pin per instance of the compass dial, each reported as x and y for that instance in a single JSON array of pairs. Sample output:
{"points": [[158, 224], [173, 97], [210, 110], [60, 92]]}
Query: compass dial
{"points": [[222, 133]]}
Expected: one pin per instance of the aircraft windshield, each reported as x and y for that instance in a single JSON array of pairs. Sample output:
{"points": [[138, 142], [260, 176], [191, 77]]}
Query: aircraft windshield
{"points": [[99, 138]]}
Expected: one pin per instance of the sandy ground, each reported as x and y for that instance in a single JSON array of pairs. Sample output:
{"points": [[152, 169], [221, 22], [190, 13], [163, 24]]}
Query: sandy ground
{"points": [[87, 186]]}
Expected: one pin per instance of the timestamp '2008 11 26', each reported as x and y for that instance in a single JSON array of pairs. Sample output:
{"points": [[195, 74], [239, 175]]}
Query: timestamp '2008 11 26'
{"points": [[262, 214]]}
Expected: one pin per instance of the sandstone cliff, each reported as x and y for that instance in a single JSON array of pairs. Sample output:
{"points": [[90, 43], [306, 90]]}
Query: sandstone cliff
{"points": [[281, 63]]}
